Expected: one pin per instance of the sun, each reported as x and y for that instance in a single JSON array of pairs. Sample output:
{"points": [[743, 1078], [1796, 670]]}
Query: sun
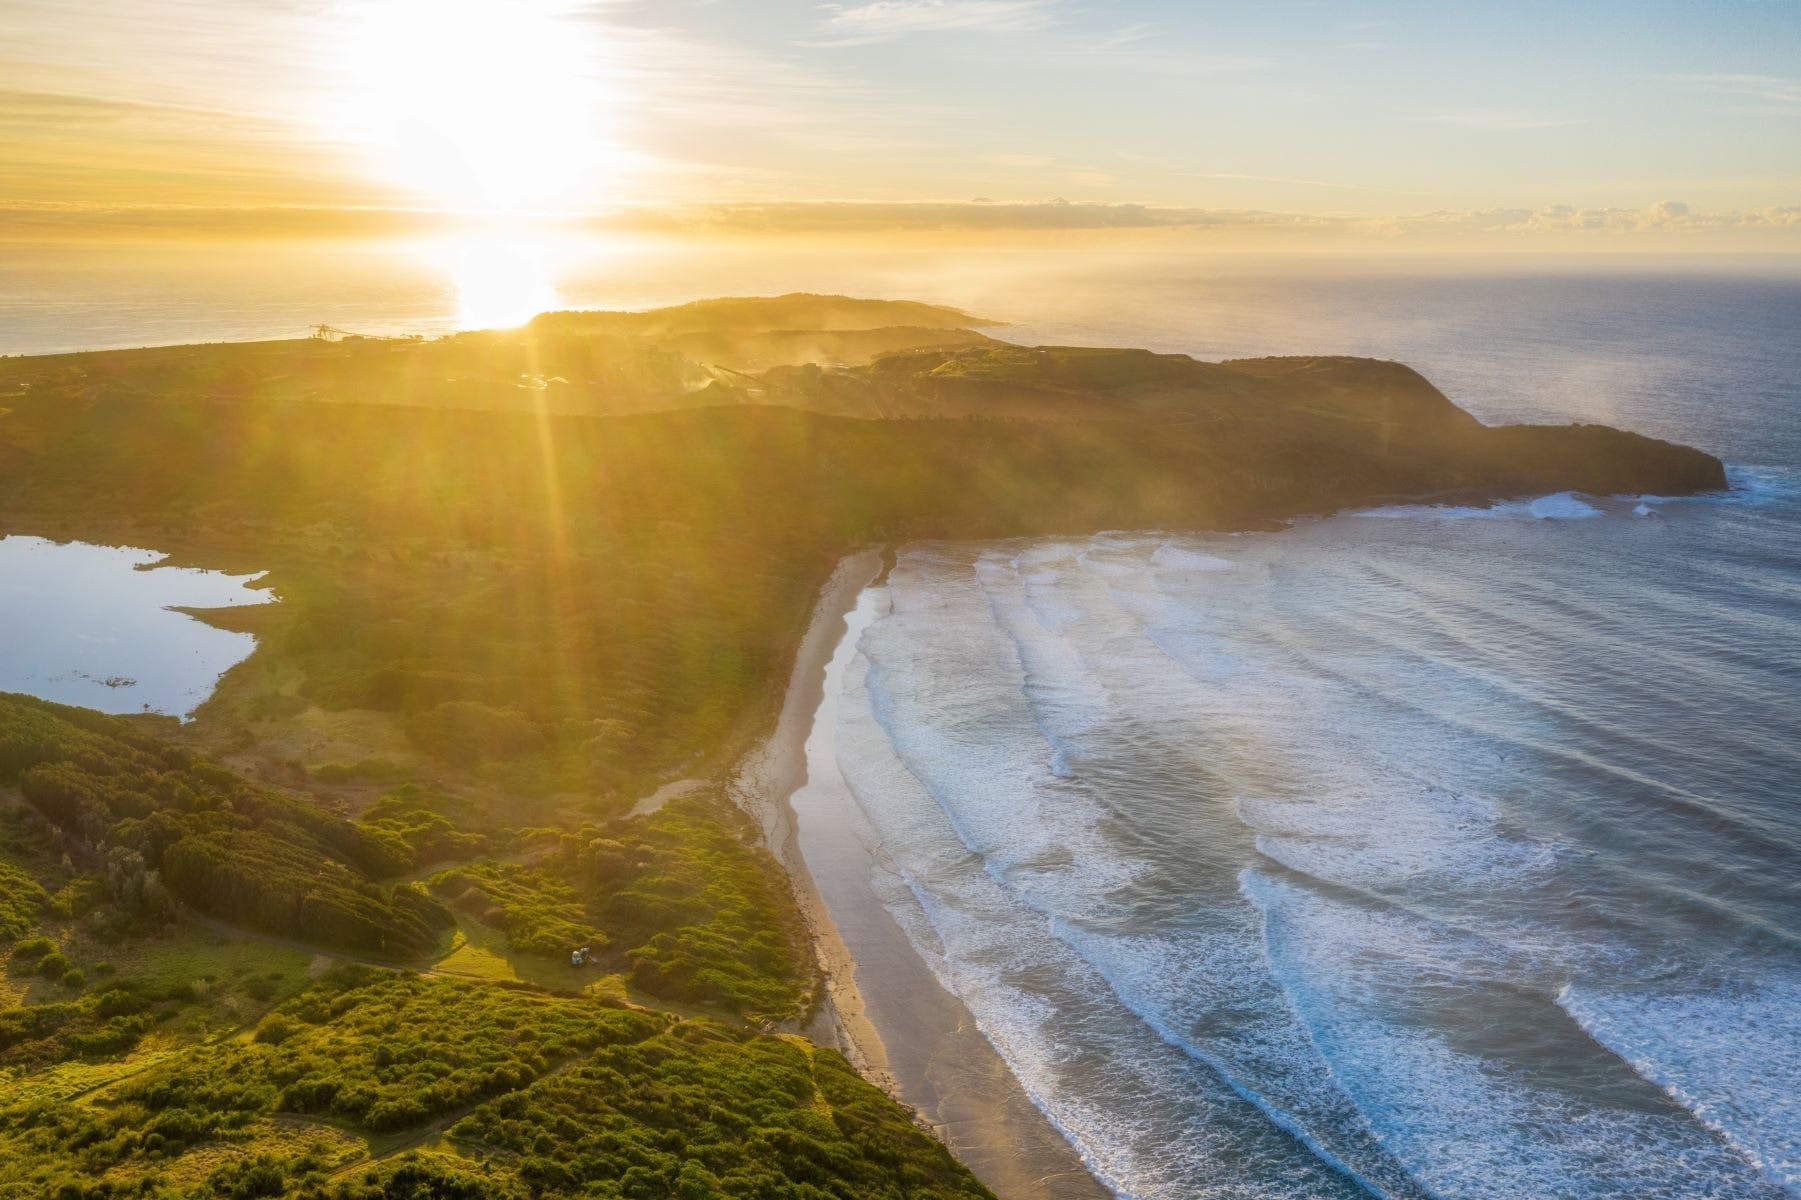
{"points": [[498, 111], [499, 107], [501, 279]]}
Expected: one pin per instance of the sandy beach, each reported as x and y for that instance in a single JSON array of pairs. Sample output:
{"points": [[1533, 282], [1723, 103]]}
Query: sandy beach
{"points": [[884, 1008]]}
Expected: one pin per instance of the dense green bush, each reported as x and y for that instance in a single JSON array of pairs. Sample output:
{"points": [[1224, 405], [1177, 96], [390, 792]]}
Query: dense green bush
{"points": [[700, 916], [388, 1051], [540, 912], [226, 846], [22, 902], [103, 1025], [705, 1111], [416, 826]]}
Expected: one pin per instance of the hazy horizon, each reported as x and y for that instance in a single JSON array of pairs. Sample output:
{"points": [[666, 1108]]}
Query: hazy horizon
{"points": [[1635, 127]]}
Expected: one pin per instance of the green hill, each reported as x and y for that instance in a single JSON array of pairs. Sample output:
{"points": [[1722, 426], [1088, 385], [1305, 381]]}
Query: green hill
{"points": [[526, 577]]}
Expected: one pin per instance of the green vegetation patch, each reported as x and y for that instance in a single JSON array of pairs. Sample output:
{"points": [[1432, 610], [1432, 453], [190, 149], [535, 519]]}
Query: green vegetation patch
{"points": [[706, 1110], [22, 902], [163, 817], [703, 917], [419, 826], [677, 900], [544, 1095], [387, 1051], [379, 1050], [540, 912]]}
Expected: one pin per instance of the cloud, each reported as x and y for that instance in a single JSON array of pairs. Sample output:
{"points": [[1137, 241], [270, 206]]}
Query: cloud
{"points": [[880, 19], [1492, 118], [1778, 94], [1241, 177], [1664, 217], [1661, 226], [1564, 221]]}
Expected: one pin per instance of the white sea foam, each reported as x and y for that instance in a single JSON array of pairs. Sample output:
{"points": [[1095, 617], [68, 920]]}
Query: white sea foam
{"points": [[1556, 507], [1750, 484], [1381, 993], [1174, 557], [1729, 1053], [1440, 512], [1147, 1120], [1561, 506], [1446, 823], [1379, 834], [1564, 506]]}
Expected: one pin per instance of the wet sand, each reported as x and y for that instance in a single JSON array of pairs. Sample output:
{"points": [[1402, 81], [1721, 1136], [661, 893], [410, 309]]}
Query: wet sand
{"points": [[884, 1008]]}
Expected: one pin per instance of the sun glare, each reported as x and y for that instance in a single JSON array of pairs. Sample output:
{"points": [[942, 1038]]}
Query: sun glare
{"points": [[501, 279], [495, 109], [490, 106]]}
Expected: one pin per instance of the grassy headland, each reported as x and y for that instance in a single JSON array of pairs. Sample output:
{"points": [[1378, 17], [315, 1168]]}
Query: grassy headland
{"points": [[527, 577]]}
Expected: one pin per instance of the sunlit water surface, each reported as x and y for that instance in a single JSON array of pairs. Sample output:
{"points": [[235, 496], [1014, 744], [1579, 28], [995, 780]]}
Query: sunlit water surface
{"points": [[95, 626]]}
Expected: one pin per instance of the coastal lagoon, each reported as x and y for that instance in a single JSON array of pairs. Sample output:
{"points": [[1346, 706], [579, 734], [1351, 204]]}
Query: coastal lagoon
{"points": [[96, 626]]}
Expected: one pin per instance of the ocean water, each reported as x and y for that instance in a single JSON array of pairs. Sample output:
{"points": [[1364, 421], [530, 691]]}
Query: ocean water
{"points": [[1423, 851]]}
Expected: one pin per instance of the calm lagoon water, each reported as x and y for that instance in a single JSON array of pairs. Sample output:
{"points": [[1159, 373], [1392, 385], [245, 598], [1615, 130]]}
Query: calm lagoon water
{"points": [[94, 626]]}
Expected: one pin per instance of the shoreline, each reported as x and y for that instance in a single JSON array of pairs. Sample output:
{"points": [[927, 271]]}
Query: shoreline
{"points": [[881, 1006]]}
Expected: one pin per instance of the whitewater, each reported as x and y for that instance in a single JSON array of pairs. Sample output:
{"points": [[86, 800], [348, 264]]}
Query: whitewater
{"points": [[1412, 852]]}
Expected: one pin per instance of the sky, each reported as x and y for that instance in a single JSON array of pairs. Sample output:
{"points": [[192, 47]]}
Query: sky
{"points": [[1642, 115]]}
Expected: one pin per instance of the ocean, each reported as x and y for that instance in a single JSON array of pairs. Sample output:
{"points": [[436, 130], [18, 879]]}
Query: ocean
{"points": [[1423, 851], [1411, 852]]}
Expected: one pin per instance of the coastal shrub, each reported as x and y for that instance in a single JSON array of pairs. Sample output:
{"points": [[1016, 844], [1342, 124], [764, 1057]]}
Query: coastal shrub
{"points": [[540, 912], [414, 1175], [388, 1051], [366, 770], [32, 948], [421, 825], [162, 816], [22, 902], [106, 1024], [557, 1094], [699, 916], [707, 1110]]}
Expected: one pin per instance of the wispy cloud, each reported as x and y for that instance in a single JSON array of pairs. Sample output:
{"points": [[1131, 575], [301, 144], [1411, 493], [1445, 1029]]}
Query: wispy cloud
{"points": [[1493, 118], [1668, 218], [1656, 227], [1664, 217], [1242, 177], [1778, 94], [881, 19]]}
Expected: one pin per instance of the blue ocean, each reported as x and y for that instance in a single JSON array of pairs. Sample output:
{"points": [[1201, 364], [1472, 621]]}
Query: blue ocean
{"points": [[1422, 851]]}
